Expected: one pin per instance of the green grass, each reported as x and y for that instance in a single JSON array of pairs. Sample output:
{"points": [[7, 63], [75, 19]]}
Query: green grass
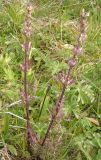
{"points": [[75, 137]]}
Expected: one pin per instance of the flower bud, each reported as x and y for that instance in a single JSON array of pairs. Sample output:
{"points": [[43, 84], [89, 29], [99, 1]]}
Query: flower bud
{"points": [[70, 81], [29, 8], [22, 67], [71, 62], [77, 50], [83, 37]]}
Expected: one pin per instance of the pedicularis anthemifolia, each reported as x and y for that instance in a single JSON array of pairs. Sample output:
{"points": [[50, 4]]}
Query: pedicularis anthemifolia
{"points": [[30, 135], [67, 80]]}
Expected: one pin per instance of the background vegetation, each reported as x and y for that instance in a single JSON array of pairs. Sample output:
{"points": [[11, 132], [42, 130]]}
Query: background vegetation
{"points": [[76, 135]]}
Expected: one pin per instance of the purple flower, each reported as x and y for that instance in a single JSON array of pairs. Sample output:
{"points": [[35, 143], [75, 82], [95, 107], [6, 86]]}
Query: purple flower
{"points": [[77, 50], [71, 62]]}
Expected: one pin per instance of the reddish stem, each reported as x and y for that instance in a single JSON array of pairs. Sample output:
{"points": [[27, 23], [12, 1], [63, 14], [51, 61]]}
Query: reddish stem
{"points": [[57, 105], [26, 96], [71, 63]]}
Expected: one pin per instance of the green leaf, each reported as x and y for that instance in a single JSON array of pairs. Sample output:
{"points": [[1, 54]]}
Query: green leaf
{"points": [[98, 155], [12, 149], [6, 124], [98, 138]]}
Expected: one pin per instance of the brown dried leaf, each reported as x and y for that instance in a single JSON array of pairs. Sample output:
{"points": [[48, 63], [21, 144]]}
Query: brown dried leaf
{"points": [[93, 120]]}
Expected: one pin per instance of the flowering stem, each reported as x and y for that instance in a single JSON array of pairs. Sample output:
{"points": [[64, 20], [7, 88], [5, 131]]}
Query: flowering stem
{"points": [[26, 96], [71, 63], [30, 136]]}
